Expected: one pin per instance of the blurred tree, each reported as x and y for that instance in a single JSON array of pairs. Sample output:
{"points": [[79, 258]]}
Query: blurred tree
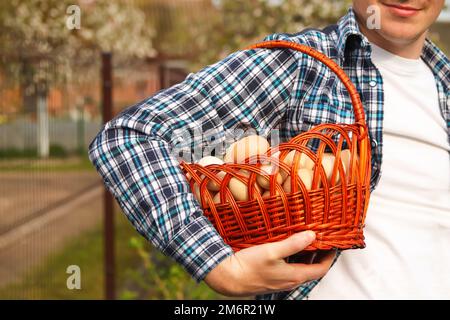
{"points": [[39, 50], [173, 20], [237, 24]]}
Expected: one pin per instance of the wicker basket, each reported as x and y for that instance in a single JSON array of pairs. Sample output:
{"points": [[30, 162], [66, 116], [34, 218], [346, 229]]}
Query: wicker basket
{"points": [[335, 211]]}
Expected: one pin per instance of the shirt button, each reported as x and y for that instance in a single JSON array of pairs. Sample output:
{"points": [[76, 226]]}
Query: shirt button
{"points": [[374, 143], [373, 83]]}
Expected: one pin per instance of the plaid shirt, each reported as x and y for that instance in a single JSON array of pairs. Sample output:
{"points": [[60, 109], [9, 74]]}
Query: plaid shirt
{"points": [[264, 90]]}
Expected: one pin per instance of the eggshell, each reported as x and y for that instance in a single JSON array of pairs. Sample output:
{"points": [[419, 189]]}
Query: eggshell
{"points": [[197, 195], [240, 189], [229, 154], [276, 155], [266, 194], [270, 170], [213, 186], [306, 175], [327, 161], [246, 147], [216, 198], [346, 158], [305, 160]]}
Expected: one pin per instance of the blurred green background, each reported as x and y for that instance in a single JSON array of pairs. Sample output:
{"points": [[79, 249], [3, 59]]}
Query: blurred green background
{"points": [[51, 199]]}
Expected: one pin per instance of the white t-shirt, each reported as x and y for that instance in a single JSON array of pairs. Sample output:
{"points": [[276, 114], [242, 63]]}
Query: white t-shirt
{"points": [[408, 220]]}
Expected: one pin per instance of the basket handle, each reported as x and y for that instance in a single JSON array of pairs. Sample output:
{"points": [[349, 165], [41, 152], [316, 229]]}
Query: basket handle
{"points": [[358, 109]]}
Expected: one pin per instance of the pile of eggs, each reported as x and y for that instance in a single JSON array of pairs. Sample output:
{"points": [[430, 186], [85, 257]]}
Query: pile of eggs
{"points": [[255, 145]]}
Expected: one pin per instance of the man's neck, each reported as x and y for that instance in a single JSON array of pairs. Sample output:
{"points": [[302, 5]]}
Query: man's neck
{"points": [[407, 49]]}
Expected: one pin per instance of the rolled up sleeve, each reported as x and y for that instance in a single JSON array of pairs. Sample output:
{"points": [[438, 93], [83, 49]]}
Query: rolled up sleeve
{"points": [[134, 152]]}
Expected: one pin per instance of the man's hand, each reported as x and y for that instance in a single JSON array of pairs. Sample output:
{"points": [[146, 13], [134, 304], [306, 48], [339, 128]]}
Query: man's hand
{"points": [[262, 269]]}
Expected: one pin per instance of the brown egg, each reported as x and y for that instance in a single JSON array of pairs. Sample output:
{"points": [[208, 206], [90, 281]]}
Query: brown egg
{"points": [[306, 175], [197, 195], [328, 161], [346, 158], [246, 147], [305, 160], [229, 154], [216, 198], [270, 170], [266, 193], [240, 189]]}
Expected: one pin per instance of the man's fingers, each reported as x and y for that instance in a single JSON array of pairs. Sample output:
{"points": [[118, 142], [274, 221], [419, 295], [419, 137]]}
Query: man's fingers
{"points": [[292, 245]]}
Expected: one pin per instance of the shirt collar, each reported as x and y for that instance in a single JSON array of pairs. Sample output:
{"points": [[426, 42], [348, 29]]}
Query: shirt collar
{"points": [[350, 37], [436, 60], [350, 34]]}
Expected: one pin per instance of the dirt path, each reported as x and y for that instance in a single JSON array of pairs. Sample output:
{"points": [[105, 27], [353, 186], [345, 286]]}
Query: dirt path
{"points": [[39, 212], [27, 246], [26, 194]]}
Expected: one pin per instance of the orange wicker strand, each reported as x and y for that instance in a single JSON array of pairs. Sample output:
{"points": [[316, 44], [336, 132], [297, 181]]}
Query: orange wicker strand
{"points": [[335, 206]]}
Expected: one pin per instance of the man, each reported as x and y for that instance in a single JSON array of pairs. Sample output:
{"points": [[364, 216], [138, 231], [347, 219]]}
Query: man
{"points": [[286, 90]]}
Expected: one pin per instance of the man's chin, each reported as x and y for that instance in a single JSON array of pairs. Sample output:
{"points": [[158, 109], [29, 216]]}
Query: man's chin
{"points": [[401, 35]]}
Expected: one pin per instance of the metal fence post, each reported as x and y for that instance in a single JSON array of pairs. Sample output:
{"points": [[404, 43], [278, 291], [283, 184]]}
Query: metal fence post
{"points": [[109, 257]]}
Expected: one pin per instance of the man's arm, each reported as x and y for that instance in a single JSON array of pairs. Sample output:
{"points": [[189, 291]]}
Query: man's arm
{"points": [[132, 153]]}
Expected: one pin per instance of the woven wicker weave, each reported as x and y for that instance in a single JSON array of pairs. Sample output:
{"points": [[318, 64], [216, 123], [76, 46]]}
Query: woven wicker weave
{"points": [[335, 211]]}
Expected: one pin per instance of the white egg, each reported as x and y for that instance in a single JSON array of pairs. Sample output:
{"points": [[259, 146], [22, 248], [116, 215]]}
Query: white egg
{"points": [[213, 186], [209, 160]]}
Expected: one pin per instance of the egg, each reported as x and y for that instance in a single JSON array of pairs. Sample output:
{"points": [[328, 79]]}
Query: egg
{"points": [[212, 185], [246, 147], [346, 156], [229, 154], [216, 198], [266, 193], [275, 155], [240, 189], [197, 195], [327, 162], [306, 175], [305, 160], [270, 170]]}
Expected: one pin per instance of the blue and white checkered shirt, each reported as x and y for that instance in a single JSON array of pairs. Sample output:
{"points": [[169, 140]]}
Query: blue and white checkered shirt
{"points": [[263, 90]]}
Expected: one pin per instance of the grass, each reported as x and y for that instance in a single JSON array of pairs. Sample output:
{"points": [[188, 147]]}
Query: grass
{"points": [[48, 281], [55, 150], [134, 278]]}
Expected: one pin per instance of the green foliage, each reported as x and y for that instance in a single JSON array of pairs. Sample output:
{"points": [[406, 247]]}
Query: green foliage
{"points": [[35, 42], [161, 278], [56, 151], [14, 153]]}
